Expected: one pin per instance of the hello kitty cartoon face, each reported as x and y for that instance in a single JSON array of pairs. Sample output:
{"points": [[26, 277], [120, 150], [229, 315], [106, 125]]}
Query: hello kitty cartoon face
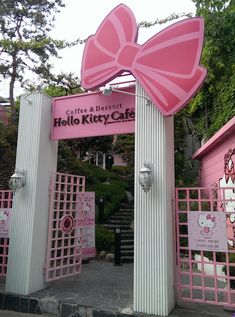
{"points": [[229, 194], [86, 208], [207, 224], [228, 180], [3, 216]]}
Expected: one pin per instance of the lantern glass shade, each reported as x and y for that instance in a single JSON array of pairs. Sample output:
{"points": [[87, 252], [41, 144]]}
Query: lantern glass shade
{"points": [[17, 181], [107, 91], [145, 177]]}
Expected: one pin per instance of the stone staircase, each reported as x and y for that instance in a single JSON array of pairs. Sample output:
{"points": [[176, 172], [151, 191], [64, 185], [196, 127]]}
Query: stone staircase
{"points": [[123, 219]]}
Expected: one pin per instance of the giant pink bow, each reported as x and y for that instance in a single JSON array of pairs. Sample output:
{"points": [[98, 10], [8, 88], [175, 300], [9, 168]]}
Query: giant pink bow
{"points": [[167, 65]]}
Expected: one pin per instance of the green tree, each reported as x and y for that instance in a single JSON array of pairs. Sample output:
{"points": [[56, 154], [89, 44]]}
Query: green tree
{"points": [[82, 146], [186, 170], [8, 140], [62, 84], [214, 104], [125, 146], [24, 41]]}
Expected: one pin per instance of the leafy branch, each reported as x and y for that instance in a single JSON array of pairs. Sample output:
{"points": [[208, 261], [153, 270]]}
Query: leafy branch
{"points": [[145, 24]]}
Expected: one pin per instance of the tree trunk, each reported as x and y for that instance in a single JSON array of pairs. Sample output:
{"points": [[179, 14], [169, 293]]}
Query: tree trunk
{"points": [[11, 87]]}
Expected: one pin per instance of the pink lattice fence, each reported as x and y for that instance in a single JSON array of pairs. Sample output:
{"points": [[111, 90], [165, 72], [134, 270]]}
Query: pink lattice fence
{"points": [[205, 276], [6, 197], [65, 232]]}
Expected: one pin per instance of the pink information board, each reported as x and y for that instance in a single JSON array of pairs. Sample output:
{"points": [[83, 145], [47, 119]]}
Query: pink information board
{"points": [[88, 222], [93, 114], [207, 231], [5, 222]]}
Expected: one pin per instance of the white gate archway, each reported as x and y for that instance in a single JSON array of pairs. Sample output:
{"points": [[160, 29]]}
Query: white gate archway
{"points": [[37, 154]]}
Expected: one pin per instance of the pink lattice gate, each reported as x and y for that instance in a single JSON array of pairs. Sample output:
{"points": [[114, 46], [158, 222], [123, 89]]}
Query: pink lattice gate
{"points": [[65, 230], [205, 230], [6, 197]]}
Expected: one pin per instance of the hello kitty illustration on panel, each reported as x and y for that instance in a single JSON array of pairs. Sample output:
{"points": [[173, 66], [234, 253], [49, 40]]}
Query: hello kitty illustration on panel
{"points": [[86, 208], [207, 224], [4, 214], [228, 182], [5, 222]]}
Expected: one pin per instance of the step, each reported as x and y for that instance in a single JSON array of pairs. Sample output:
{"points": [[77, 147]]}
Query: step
{"points": [[121, 217], [113, 226], [127, 235], [127, 253], [130, 207], [125, 210], [130, 204], [125, 231], [127, 259], [127, 247], [119, 222], [127, 242]]}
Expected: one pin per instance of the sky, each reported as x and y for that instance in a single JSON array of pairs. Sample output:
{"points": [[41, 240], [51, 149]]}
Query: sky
{"points": [[79, 19]]}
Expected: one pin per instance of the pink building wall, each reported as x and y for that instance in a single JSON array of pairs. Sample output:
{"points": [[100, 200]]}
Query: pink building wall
{"points": [[211, 154], [118, 161], [3, 117]]}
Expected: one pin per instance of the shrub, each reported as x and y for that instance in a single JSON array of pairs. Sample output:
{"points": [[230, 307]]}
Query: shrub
{"points": [[113, 194], [104, 183], [104, 239], [231, 269], [122, 170]]}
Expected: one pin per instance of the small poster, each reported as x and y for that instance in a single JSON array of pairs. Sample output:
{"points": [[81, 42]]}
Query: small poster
{"points": [[5, 222], [207, 231], [87, 219], [88, 243]]}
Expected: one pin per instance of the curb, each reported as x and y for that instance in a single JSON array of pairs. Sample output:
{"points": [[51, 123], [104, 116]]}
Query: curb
{"points": [[51, 306]]}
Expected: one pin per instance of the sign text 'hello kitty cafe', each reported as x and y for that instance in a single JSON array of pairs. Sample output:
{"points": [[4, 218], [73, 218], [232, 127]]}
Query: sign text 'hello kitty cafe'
{"points": [[93, 114], [207, 231]]}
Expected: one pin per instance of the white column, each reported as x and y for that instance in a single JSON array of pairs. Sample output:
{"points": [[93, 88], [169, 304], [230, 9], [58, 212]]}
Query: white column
{"points": [[97, 158], [104, 156], [38, 156], [154, 222]]}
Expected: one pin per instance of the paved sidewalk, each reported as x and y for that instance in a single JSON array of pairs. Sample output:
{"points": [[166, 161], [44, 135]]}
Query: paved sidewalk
{"points": [[100, 285], [108, 289], [101, 290], [8, 313]]}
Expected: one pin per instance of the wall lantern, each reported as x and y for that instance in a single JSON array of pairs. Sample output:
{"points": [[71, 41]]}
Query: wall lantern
{"points": [[17, 180], [108, 89], [145, 177]]}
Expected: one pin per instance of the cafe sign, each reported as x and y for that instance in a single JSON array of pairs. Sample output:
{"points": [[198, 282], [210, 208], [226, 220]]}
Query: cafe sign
{"points": [[93, 114]]}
